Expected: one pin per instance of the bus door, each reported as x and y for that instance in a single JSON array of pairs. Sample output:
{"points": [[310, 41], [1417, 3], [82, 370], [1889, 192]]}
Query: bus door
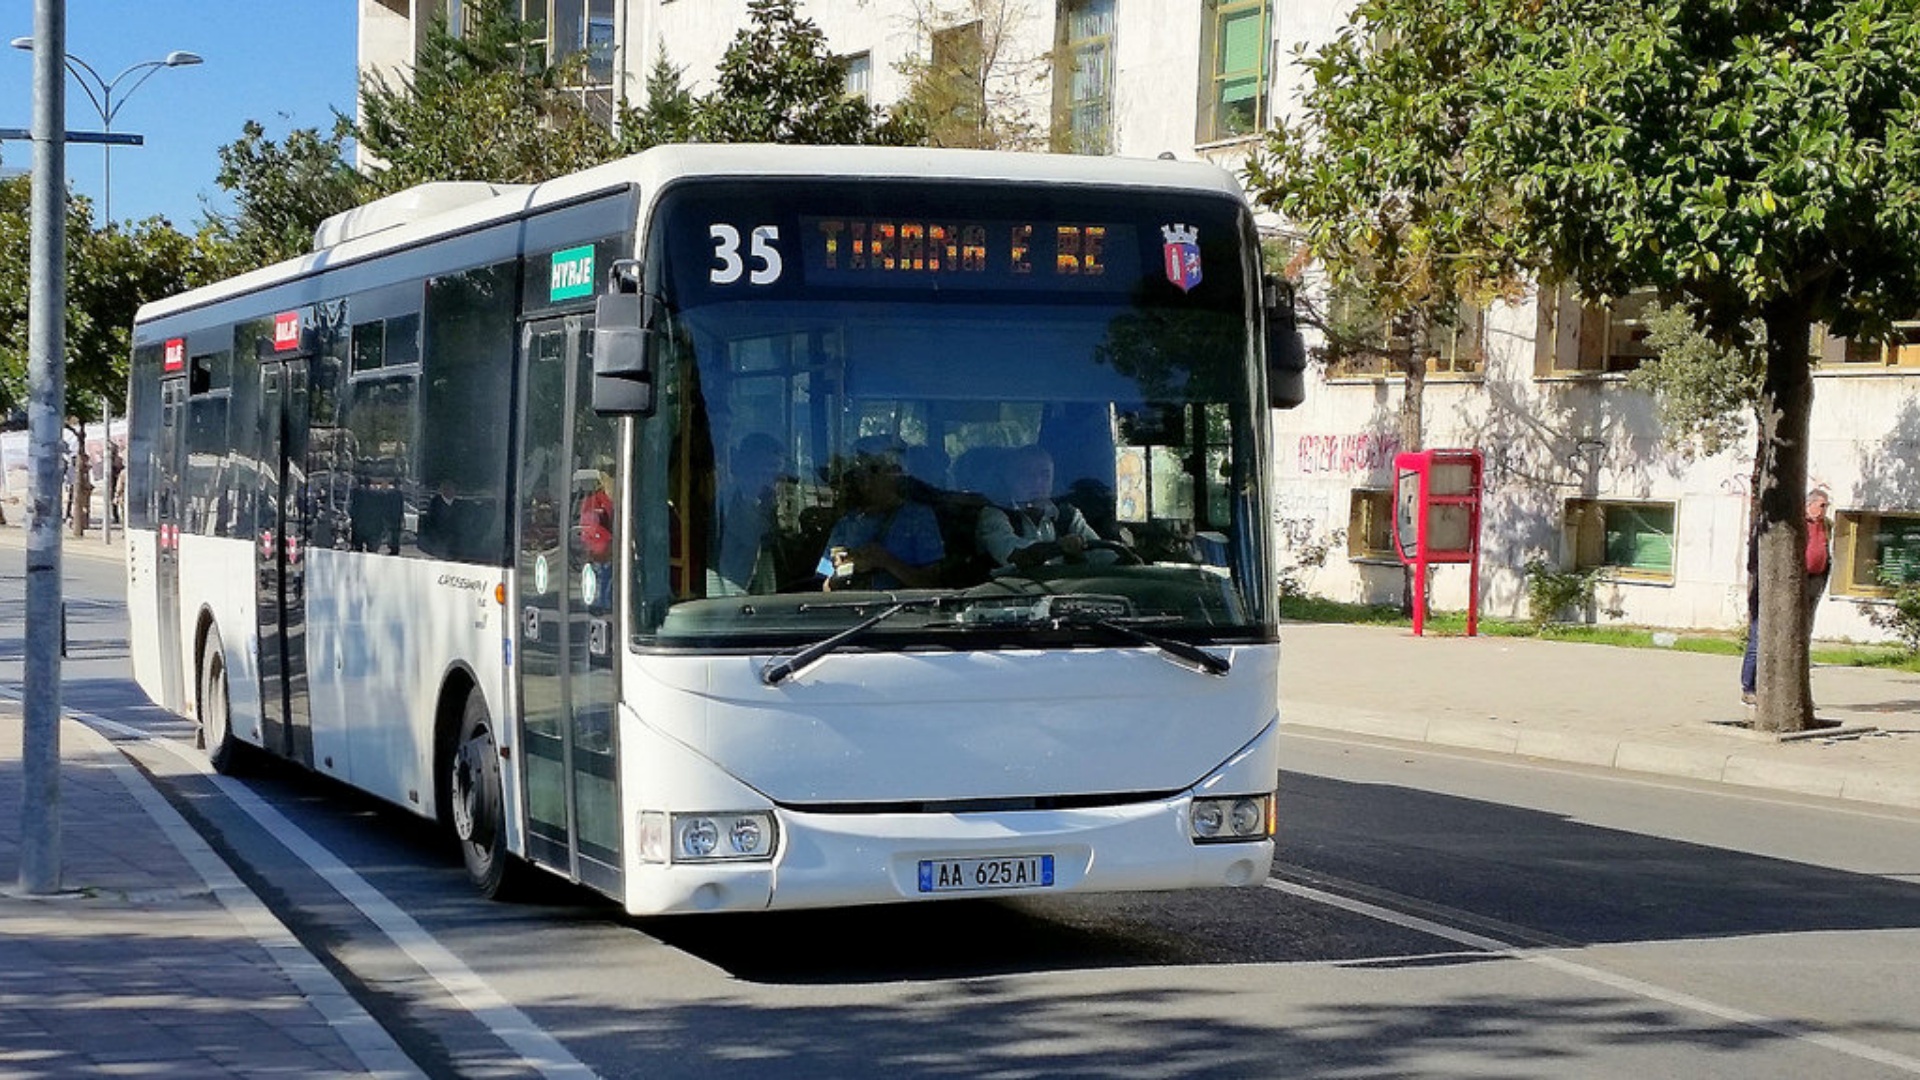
{"points": [[279, 552], [567, 528], [170, 452]]}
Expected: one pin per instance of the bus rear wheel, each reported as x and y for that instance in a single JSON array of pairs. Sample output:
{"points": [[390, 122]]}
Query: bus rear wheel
{"points": [[226, 753], [477, 808]]}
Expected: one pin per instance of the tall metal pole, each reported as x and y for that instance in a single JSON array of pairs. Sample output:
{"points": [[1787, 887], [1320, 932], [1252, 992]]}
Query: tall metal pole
{"points": [[107, 470], [46, 393]]}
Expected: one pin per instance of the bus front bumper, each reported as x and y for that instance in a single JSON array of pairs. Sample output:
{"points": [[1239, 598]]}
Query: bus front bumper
{"points": [[844, 859]]}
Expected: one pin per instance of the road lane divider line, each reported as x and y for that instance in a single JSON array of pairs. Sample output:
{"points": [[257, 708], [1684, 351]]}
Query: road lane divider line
{"points": [[1624, 983]]}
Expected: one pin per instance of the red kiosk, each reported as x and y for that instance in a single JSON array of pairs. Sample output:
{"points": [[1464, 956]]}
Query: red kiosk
{"points": [[1437, 520]]}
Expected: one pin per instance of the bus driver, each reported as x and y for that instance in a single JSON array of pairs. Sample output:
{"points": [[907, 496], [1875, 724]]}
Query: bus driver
{"points": [[1030, 528]]}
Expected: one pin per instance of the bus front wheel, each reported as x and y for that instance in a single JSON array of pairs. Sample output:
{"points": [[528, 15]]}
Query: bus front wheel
{"points": [[478, 811], [224, 752]]}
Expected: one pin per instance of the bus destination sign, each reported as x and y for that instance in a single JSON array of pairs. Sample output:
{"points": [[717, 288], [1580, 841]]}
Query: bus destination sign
{"points": [[904, 253]]}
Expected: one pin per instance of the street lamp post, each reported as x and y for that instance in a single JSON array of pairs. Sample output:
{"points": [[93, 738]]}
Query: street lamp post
{"points": [[100, 91]]}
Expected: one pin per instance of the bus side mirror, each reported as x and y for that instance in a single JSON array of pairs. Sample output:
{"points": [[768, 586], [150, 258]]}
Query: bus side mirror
{"points": [[623, 354], [1286, 349]]}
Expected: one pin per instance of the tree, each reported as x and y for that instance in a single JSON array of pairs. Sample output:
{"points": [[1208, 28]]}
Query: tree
{"points": [[667, 114], [970, 91], [110, 273], [1755, 161], [1706, 388], [282, 191], [778, 82], [480, 104], [1375, 175]]}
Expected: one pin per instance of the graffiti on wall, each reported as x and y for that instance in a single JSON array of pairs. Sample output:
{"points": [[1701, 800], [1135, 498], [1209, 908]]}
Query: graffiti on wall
{"points": [[1362, 452]]}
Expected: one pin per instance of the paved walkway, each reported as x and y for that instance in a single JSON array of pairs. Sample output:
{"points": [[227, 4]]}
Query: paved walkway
{"points": [[156, 961], [152, 959], [1654, 711]]}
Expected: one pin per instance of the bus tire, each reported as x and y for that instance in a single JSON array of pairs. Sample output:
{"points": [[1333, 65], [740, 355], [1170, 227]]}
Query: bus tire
{"points": [[226, 753], [476, 806]]}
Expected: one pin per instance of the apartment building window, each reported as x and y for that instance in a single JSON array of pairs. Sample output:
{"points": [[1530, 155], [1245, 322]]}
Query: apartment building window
{"points": [[961, 50], [1634, 539], [1370, 525], [1875, 553], [1083, 78], [584, 29], [1900, 348], [1575, 338], [1364, 344], [1234, 79], [859, 82]]}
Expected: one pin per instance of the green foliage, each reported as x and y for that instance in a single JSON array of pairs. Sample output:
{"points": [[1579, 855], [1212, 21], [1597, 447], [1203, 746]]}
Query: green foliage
{"points": [[487, 104], [1376, 176], [481, 105], [779, 82], [1375, 171], [968, 91], [667, 114], [1900, 616], [1551, 591], [1758, 161], [1743, 156], [110, 273], [282, 192], [1706, 392]]}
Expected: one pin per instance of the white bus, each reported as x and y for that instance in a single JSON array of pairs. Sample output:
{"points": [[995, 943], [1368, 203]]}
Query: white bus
{"points": [[651, 526]]}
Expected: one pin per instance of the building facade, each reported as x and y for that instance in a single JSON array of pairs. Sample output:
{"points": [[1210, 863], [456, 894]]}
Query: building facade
{"points": [[1579, 474]]}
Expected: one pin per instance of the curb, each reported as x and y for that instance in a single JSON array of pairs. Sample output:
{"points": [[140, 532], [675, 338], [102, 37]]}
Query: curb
{"points": [[1733, 766], [346, 1018]]}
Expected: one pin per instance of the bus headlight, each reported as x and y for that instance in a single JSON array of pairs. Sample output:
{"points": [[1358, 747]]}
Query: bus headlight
{"points": [[716, 837], [1243, 817]]}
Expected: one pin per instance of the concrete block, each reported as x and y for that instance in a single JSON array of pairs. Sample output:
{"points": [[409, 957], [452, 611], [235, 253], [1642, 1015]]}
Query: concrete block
{"points": [[1579, 747], [1494, 736], [1692, 763], [1805, 778]]}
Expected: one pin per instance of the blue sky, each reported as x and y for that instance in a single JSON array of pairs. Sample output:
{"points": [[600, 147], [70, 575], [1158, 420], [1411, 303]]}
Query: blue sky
{"points": [[285, 63]]}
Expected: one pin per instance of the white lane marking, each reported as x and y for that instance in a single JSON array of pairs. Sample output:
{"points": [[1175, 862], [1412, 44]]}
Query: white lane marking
{"points": [[1626, 984], [369, 1042], [540, 1050]]}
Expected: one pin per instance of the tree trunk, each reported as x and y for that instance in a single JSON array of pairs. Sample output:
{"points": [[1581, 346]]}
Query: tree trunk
{"points": [[1413, 394], [82, 494], [1784, 685]]}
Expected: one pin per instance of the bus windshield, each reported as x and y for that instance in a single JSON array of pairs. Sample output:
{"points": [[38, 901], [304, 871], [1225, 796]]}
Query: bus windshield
{"points": [[991, 394]]}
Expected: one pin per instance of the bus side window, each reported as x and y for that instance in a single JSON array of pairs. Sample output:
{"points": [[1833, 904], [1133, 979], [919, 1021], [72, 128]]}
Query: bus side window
{"points": [[381, 421]]}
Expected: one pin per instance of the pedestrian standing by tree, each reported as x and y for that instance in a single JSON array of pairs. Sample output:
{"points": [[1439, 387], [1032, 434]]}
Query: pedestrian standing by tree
{"points": [[1819, 565]]}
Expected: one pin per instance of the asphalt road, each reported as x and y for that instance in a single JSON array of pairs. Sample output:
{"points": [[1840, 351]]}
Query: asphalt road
{"points": [[1433, 915]]}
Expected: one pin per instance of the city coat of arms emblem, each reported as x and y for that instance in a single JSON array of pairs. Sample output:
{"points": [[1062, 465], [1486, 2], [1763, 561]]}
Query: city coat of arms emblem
{"points": [[1182, 254]]}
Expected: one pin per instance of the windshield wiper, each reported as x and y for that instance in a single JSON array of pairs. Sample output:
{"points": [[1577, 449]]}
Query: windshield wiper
{"points": [[1189, 656], [782, 668], [1113, 614]]}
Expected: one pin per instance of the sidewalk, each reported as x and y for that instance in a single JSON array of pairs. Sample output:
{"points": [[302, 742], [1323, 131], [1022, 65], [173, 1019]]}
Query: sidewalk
{"points": [[154, 959], [1643, 710]]}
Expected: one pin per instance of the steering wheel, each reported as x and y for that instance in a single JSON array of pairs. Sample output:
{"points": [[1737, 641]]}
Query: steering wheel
{"points": [[1123, 555]]}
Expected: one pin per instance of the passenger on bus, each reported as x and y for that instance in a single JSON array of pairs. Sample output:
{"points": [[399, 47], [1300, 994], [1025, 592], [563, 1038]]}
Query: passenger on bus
{"points": [[596, 539], [746, 559], [884, 541], [1026, 527]]}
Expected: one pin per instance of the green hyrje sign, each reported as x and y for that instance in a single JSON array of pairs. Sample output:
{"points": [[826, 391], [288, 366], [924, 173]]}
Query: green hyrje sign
{"points": [[572, 274]]}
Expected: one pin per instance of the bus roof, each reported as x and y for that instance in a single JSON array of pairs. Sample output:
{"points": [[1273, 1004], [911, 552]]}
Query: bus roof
{"points": [[430, 210]]}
